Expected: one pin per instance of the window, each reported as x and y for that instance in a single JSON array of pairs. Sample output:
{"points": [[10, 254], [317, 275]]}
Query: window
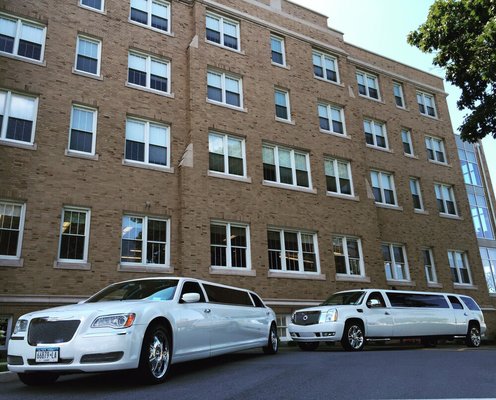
{"points": [[147, 142], [82, 136], [219, 294], [152, 13], [225, 89], [286, 166], [426, 104], [5, 330], [398, 299], [395, 262], [74, 235], [460, 271], [480, 214], [406, 138], [148, 72], [22, 38], [338, 176], [398, 94], [226, 154], [223, 31], [429, 266], [88, 55], [416, 195], [488, 256], [455, 303], [94, 4], [17, 117], [348, 256], [383, 187], [331, 118], [470, 167], [11, 229], [282, 321], [367, 85], [325, 66], [445, 199], [292, 251], [281, 100], [277, 50], [375, 133], [435, 149], [145, 241], [229, 245]]}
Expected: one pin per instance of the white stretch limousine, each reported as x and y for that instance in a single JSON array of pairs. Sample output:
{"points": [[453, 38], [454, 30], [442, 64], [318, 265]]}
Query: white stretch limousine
{"points": [[144, 324], [352, 317]]}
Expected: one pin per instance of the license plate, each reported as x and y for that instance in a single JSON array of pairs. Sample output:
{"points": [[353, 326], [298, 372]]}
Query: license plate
{"points": [[47, 355]]}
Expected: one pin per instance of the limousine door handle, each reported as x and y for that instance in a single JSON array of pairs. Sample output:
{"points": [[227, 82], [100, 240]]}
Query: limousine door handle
{"points": [[207, 310]]}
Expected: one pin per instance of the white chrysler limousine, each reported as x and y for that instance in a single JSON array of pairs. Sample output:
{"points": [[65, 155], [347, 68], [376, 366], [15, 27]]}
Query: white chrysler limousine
{"points": [[143, 324], [352, 317]]}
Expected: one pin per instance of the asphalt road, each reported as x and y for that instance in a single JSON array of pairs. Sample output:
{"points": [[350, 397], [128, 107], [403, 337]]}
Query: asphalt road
{"points": [[379, 372]]}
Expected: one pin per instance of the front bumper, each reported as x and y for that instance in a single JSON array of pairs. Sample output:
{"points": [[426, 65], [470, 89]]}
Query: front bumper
{"points": [[325, 332]]}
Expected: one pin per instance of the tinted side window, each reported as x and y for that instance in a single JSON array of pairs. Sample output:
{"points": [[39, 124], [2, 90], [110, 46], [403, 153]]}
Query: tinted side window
{"points": [[258, 302], [470, 303], [192, 287], [218, 294], [455, 303], [417, 300]]}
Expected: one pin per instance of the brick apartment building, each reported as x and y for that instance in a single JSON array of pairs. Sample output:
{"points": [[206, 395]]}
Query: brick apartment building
{"points": [[238, 141]]}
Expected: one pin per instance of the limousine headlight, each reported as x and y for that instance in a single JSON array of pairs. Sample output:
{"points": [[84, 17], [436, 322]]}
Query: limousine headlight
{"points": [[329, 316], [115, 321], [21, 326]]}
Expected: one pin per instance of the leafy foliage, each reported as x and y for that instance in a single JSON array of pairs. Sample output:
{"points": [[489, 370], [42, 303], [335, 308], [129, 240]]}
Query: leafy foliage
{"points": [[462, 36]]}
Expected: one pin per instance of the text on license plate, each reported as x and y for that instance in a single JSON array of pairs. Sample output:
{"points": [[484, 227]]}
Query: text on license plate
{"points": [[47, 355]]}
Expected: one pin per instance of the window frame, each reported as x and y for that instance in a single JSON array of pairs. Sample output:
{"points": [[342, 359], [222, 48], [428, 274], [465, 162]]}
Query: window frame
{"points": [[101, 9], [366, 76], [361, 261], [149, 16], [409, 142], [429, 145], [8, 113], [335, 167], [281, 40], [323, 58], [451, 191], [22, 219], [455, 269], [84, 260], [416, 182], [148, 71], [221, 20], [394, 275], [229, 226], [225, 142], [432, 266], [223, 76], [489, 267], [480, 214], [422, 96], [93, 132], [400, 95], [381, 188], [99, 59], [375, 123], [287, 104], [15, 50], [329, 108]]}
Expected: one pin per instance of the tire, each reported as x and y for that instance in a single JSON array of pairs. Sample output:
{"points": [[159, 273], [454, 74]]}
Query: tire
{"points": [[353, 336], [473, 338], [38, 379], [272, 342], [156, 353], [308, 346]]}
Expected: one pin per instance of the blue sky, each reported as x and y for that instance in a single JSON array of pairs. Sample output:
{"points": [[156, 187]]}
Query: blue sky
{"points": [[381, 26]]}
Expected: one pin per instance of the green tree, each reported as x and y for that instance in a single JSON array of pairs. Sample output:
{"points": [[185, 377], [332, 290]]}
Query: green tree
{"points": [[462, 36]]}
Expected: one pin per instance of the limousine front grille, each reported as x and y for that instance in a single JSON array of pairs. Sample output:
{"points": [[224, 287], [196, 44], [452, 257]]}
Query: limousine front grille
{"points": [[306, 318], [43, 330]]}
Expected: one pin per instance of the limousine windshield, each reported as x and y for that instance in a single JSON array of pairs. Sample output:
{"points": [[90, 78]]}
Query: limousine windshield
{"points": [[344, 299], [163, 289]]}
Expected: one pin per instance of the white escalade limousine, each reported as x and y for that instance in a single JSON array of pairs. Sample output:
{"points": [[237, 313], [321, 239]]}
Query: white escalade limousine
{"points": [[143, 324], [352, 317]]}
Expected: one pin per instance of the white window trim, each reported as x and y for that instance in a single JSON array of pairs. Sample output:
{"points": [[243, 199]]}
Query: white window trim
{"points": [[283, 49], [6, 116], [94, 128], [419, 193], [336, 172], [17, 38], [285, 92], [99, 60], [221, 19], [223, 76], [433, 267], [410, 142], [86, 235], [8, 332], [348, 274], [452, 194], [365, 76], [101, 10], [144, 240], [431, 140], [402, 95], [381, 188], [293, 168], [22, 218], [228, 226], [465, 262], [374, 123], [148, 71], [301, 270], [329, 107], [393, 262], [147, 145], [225, 139], [423, 95], [149, 18], [323, 56]]}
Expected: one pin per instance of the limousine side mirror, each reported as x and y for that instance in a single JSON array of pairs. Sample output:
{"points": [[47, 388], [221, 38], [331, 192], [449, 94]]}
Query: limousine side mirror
{"points": [[374, 303], [191, 297]]}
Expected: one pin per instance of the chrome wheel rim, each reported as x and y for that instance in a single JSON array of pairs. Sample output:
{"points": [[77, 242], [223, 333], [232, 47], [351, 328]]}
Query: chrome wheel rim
{"points": [[273, 339], [355, 337], [475, 337], [158, 356]]}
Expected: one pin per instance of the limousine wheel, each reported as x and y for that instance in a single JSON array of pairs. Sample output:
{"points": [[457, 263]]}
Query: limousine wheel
{"points": [[155, 355], [473, 336], [353, 336], [272, 342], [308, 346], [38, 379]]}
